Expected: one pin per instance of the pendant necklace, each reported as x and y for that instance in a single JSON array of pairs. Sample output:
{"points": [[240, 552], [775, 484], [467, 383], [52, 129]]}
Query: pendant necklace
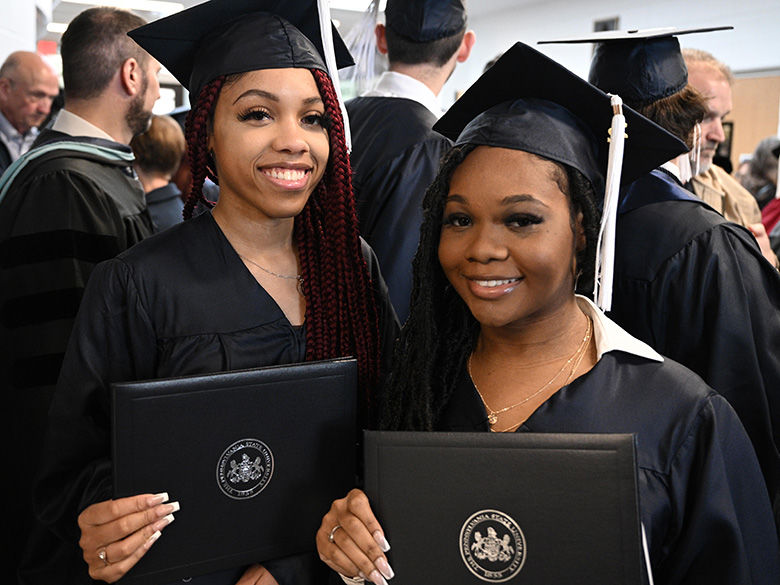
{"points": [[576, 359]]}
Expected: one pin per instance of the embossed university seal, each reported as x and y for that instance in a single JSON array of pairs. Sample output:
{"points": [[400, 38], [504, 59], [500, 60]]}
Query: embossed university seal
{"points": [[492, 546], [245, 468]]}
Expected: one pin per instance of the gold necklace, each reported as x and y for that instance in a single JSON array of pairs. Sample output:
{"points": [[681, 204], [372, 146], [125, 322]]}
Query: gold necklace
{"points": [[297, 277], [575, 357]]}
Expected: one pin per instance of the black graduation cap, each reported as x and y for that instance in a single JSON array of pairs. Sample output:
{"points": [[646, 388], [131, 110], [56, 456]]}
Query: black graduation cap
{"points": [[526, 101], [222, 37], [424, 21], [641, 66]]}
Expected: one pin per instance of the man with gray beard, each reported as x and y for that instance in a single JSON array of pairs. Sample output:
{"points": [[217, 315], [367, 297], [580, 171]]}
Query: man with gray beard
{"points": [[70, 202], [713, 184]]}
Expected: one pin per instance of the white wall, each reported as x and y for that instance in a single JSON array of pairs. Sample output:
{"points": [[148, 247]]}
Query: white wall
{"points": [[753, 45], [17, 27]]}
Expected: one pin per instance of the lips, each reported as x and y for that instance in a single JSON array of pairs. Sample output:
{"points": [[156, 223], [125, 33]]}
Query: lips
{"points": [[492, 288], [287, 177]]}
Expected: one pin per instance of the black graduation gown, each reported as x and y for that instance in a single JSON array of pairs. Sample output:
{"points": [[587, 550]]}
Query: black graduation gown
{"points": [[181, 302], [702, 498], [395, 156], [65, 212], [696, 288]]}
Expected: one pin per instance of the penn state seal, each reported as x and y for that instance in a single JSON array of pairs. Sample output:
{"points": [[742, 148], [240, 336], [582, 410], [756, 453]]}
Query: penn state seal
{"points": [[244, 469], [492, 546]]}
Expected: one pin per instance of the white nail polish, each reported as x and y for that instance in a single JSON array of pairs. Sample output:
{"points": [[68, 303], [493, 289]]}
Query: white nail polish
{"points": [[176, 506], [151, 540]]}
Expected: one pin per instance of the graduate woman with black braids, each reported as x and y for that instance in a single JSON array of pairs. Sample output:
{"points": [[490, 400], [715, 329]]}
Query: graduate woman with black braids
{"points": [[275, 274], [497, 340]]}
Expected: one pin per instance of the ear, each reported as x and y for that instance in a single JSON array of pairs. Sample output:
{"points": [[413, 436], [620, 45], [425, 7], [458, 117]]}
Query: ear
{"points": [[466, 45], [579, 233], [131, 76], [5, 86], [381, 38]]}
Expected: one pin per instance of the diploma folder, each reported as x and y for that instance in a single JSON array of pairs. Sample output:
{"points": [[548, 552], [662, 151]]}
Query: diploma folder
{"points": [[254, 457], [520, 508]]}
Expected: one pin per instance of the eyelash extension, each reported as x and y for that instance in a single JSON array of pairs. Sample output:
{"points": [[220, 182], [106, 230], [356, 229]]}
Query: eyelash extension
{"points": [[524, 219], [252, 113]]}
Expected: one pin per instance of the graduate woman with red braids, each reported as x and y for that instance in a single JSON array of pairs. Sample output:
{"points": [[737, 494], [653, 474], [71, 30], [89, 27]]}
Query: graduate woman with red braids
{"points": [[275, 274]]}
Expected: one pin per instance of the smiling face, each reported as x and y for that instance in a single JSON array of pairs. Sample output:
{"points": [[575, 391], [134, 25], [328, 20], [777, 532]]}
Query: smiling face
{"points": [[507, 244], [269, 142]]}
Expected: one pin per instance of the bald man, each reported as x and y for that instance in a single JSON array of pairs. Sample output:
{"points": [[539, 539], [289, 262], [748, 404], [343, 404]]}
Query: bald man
{"points": [[28, 86]]}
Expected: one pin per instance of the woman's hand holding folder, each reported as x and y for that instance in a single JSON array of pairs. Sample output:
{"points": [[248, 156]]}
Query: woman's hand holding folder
{"points": [[115, 534], [351, 541]]}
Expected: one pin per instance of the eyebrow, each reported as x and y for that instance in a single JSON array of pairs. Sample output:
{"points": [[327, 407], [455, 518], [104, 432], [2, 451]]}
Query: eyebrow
{"points": [[508, 200], [273, 97]]}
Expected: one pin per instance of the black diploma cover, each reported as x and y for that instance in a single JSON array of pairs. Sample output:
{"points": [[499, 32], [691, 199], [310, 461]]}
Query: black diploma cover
{"points": [[254, 457], [520, 508]]}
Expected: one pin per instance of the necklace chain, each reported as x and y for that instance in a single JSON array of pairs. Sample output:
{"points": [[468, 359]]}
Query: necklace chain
{"points": [[297, 277], [576, 358]]}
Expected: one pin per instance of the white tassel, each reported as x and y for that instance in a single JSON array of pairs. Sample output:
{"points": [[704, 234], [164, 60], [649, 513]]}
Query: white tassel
{"points": [[326, 31], [361, 42], [696, 149], [605, 248]]}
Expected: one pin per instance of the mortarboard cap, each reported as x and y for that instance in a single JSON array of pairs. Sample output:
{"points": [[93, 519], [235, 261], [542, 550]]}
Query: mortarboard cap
{"points": [[641, 66], [424, 21], [526, 101], [223, 37]]}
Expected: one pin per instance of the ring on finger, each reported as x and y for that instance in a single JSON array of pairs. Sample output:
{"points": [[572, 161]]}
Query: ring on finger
{"points": [[103, 556], [333, 532]]}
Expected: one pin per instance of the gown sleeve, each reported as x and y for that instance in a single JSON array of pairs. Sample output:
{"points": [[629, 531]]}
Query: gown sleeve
{"points": [[113, 340], [719, 529]]}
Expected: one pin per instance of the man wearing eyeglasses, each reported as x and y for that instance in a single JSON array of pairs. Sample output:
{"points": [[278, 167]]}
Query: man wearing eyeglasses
{"points": [[28, 86]]}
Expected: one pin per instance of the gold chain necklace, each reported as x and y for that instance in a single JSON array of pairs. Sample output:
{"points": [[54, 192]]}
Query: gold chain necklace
{"points": [[576, 357], [297, 277]]}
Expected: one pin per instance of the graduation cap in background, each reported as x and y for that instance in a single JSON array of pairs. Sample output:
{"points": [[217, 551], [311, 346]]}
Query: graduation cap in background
{"points": [[526, 101], [641, 66], [423, 21], [223, 37]]}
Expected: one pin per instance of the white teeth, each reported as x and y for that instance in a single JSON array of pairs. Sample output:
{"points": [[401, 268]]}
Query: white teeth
{"points": [[286, 174], [494, 283]]}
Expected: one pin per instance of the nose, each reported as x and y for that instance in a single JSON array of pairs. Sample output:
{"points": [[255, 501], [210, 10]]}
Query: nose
{"points": [[290, 136], [486, 245], [714, 131]]}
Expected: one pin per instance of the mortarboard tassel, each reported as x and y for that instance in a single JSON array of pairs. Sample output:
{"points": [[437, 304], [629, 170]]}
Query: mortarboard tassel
{"points": [[361, 42], [326, 31], [605, 248]]}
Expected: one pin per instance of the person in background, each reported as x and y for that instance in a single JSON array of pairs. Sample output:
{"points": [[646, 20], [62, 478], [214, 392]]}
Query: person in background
{"points": [[274, 274], [710, 182], [28, 86], [68, 203], [497, 340], [689, 283], [761, 179], [395, 154], [158, 155]]}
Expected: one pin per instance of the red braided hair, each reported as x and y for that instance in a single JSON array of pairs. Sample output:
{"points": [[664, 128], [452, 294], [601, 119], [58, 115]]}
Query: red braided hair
{"points": [[341, 311]]}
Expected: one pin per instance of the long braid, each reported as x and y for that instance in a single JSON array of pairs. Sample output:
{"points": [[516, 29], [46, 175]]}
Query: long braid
{"points": [[196, 131], [346, 320], [440, 330]]}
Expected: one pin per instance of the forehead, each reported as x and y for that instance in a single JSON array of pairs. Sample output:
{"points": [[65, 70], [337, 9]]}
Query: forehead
{"points": [[291, 83], [494, 171]]}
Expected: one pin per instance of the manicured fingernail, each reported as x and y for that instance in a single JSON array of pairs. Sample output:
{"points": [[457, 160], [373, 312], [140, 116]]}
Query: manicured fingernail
{"points": [[384, 568], [376, 578], [174, 507], [381, 541], [163, 522], [362, 575], [152, 539], [158, 498]]}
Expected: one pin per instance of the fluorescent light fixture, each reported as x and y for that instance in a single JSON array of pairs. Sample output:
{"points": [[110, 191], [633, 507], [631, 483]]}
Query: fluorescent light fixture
{"points": [[57, 27], [159, 6]]}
